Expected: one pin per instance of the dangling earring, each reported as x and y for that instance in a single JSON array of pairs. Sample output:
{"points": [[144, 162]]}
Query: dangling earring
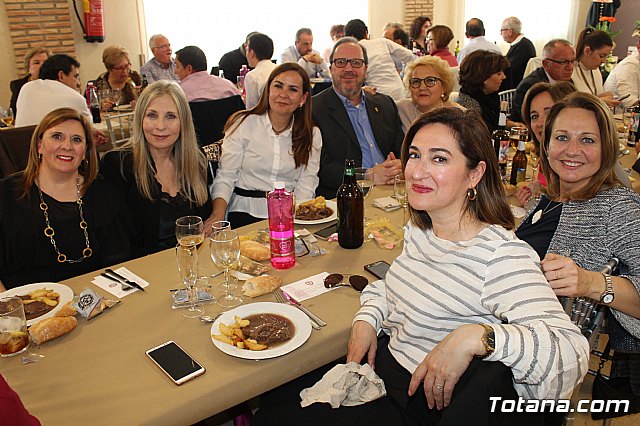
{"points": [[472, 194], [300, 107], [39, 157], [442, 97]]}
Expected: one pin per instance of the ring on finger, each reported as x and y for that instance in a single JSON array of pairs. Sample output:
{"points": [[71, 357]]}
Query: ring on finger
{"points": [[439, 387]]}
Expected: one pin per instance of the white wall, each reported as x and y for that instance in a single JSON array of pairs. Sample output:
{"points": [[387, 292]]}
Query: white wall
{"points": [[381, 12]]}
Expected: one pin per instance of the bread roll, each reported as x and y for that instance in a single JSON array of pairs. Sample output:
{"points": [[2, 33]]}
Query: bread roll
{"points": [[50, 328], [255, 251], [67, 310], [257, 286]]}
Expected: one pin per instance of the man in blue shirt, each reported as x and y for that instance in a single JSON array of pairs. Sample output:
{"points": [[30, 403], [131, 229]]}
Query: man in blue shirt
{"points": [[355, 124]]}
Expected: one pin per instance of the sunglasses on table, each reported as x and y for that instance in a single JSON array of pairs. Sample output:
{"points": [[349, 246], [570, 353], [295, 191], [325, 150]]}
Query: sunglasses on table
{"points": [[428, 81], [342, 62], [358, 282]]}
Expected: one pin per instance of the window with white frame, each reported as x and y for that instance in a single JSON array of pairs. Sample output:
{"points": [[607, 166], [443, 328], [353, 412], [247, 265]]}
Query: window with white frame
{"points": [[218, 27]]}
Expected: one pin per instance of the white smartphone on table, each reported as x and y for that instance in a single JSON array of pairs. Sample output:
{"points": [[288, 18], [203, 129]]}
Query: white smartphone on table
{"points": [[178, 365]]}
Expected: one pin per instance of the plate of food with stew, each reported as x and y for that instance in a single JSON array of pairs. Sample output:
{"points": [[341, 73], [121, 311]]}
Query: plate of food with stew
{"points": [[260, 330], [41, 300], [316, 211]]}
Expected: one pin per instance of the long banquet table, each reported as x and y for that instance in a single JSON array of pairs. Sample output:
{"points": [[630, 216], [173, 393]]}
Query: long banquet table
{"points": [[99, 373]]}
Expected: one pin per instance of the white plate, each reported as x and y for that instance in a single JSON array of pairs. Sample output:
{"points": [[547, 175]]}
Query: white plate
{"points": [[123, 108], [331, 204], [296, 316], [66, 295]]}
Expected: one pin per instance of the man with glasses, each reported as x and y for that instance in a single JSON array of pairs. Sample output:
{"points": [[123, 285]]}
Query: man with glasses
{"points": [[558, 59], [355, 124], [520, 51], [161, 66]]}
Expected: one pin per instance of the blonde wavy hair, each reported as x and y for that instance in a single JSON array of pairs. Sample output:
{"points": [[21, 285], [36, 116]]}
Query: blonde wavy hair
{"points": [[441, 68], [190, 162]]}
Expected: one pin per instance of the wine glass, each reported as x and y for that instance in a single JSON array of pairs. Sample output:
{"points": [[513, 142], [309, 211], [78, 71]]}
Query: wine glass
{"points": [[216, 227], [190, 231], [364, 177], [400, 190], [8, 118], [534, 158], [225, 252], [187, 259]]}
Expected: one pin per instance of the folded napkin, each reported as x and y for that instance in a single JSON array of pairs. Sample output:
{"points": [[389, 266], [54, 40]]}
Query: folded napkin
{"points": [[387, 204], [115, 288], [345, 384]]}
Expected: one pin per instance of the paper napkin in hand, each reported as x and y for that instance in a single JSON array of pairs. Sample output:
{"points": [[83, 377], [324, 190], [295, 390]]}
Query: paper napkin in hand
{"points": [[345, 384], [387, 204]]}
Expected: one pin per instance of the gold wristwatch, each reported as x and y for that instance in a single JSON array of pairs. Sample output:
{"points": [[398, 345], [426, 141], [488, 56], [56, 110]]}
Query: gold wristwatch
{"points": [[608, 296], [488, 340]]}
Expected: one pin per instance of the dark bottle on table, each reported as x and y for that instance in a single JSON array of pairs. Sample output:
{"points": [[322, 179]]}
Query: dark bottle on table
{"points": [[94, 103], [519, 165], [145, 83], [350, 201], [500, 139], [634, 127]]}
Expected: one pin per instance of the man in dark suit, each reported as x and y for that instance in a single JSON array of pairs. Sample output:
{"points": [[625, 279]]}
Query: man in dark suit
{"points": [[354, 124], [558, 58], [520, 51]]}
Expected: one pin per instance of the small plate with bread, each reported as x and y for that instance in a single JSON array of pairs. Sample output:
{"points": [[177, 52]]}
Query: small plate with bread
{"points": [[316, 211], [56, 295]]}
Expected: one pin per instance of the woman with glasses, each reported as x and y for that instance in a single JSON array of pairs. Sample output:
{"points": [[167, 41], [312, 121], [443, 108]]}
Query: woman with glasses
{"points": [[429, 82], [481, 74], [592, 49], [438, 39], [119, 79]]}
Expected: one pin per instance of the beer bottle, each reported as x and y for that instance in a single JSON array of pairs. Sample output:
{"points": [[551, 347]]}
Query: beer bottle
{"points": [[519, 165], [500, 139], [350, 201], [455, 52], [144, 84]]}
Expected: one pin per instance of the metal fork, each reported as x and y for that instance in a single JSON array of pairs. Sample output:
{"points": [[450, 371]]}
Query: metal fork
{"points": [[281, 299]]}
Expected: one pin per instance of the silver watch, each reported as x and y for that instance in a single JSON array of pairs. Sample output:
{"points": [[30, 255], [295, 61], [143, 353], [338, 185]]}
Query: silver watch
{"points": [[608, 295]]}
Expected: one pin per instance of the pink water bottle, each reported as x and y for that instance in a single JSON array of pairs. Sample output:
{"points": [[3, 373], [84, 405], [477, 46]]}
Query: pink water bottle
{"points": [[281, 209]]}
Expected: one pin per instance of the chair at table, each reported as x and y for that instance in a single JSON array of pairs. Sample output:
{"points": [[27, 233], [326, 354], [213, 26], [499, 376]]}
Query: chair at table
{"points": [[14, 149], [119, 127], [507, 95], [209, 117]]}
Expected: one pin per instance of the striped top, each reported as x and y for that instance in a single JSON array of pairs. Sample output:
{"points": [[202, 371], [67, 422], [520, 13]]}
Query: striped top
{"points": [[437, 285]]}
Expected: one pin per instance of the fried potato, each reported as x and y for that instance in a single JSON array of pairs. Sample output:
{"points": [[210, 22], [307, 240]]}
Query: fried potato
{"points": [[232, 335], [241, 322], [254, 346], [226, 330], [222, 338], [240, 345], [50, 302], [39, 293]]}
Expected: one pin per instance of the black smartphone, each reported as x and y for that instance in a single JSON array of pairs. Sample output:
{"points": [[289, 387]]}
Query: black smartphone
{"points": [[378, 269], [325, 233], [175, 362]]}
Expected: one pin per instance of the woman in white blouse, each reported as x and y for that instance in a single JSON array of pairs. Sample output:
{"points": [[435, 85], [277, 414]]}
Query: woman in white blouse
{"points": [[592, 49], [274, 141]]}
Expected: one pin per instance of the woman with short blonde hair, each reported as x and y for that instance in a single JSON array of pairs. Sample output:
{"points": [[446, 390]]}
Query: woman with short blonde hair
{"points": [[119, 84]]}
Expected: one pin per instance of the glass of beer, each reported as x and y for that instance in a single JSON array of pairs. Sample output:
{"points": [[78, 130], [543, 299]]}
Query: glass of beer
{"points": [[518, 134], [14, 338]]}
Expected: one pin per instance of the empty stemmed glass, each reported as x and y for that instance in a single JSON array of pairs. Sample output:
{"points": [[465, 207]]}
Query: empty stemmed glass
{"points": [[364, 177], [187, 259], [225, 252], [216, 227], [400, 190]]}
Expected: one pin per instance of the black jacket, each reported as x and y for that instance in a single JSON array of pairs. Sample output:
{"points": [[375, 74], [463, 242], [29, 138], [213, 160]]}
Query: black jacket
{"points": [[536, 76], [518, 57]]}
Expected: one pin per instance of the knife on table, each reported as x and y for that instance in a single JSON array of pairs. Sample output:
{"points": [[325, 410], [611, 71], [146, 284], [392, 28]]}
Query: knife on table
{"points": [[122, 278], [310, 314]]}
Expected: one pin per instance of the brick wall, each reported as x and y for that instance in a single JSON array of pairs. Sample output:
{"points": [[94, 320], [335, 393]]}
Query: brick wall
{"points": [[415, 8], [35, 23]]}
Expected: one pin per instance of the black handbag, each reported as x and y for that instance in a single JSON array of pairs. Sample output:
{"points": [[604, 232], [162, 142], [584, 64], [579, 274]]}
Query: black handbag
{"points": [[609, 389]]}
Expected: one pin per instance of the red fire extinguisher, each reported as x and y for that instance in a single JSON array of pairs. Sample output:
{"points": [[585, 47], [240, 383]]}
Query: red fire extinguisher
{"points": [[93, 20]]}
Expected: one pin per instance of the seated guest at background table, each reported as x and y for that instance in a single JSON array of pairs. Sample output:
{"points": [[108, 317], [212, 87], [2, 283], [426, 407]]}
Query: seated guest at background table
{"points": [[160, 171], [537, 102], [438, 39], [395, 32], [355, 125], [625, 78], [303, 54], [481, 74], [336, 33], [381, 71], [521, 49], [161, 66], [232, 61], [450, 292], [60, 194], [259, 53], [196, 82], [474, 31], [429, 82], [274, 141], [119, 82], [558, 58], [58, 87], [586, 218], [33, 60], [592, 49], [418, 33]]}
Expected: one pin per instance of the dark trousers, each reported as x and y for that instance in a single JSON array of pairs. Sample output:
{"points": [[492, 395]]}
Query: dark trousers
{"points": [[238, 219], [470, 404]]}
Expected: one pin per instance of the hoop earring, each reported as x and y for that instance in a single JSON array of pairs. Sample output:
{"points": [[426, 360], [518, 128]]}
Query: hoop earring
{"points": [[472, 194]]}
